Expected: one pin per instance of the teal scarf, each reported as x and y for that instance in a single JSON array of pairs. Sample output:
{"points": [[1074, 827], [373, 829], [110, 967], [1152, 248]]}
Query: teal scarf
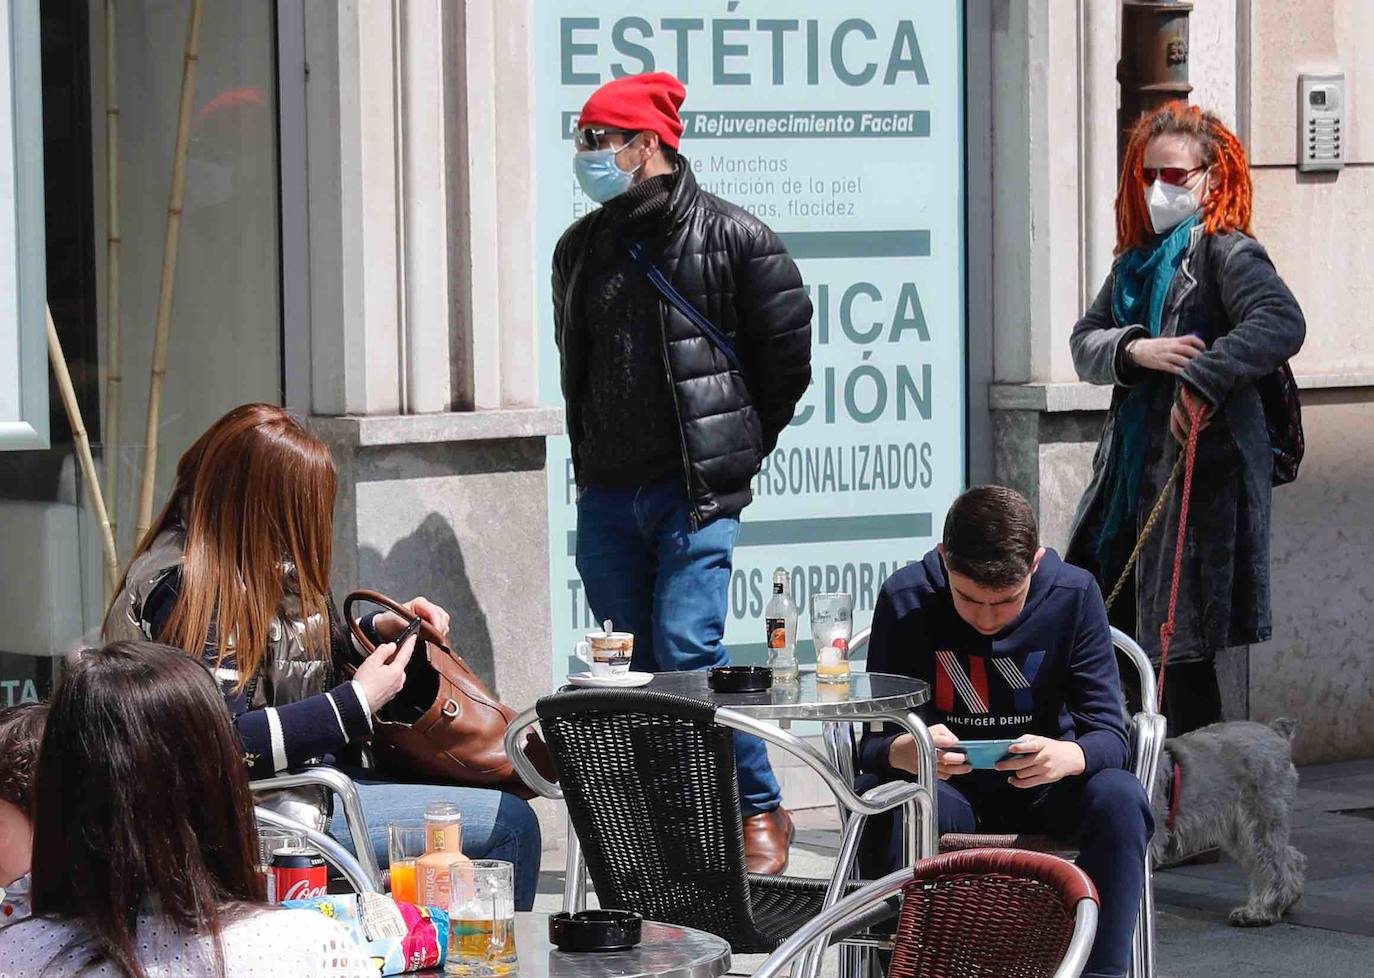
{"points": [[1143, 277]]}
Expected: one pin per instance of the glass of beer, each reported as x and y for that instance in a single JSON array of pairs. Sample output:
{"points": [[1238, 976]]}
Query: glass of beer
{"points": [[832, 626], [405, 844], [481, 925]]}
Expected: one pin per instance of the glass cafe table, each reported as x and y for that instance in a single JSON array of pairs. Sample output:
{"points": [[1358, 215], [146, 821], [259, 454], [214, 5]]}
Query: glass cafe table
{"points": [[664, 951], [871, 697]]}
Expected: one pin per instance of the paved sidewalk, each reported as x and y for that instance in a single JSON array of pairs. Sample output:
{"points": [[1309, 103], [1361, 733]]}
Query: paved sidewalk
{"points": [[1329, 934]]}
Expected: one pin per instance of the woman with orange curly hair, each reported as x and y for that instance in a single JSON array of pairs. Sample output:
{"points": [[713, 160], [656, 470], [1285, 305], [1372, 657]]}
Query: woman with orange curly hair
{"points": [[1190, 318]]}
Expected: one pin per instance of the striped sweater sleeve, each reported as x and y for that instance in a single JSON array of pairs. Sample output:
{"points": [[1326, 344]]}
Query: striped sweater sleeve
{"points": [[275, 738]]}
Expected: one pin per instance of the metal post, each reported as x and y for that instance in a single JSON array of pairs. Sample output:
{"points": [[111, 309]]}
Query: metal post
{"points": [[838, 738], [574, 874], [1154, 59]]}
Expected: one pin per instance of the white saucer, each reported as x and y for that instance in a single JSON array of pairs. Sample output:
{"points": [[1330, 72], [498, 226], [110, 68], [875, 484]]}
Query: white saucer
{"points": [[625, 680]]}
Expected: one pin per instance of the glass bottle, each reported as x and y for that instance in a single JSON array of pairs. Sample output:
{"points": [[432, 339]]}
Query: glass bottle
{"points": [[780, 619], [443, 849]]}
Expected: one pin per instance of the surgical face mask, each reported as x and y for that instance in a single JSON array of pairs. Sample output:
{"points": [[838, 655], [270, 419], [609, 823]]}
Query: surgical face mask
{"points": [[1170, 205], [600, 175]]}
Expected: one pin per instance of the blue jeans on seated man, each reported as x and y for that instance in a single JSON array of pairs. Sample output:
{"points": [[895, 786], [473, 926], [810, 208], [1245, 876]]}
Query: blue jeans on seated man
{"points": [[646, 570], [496, 825], [1107, 816]]}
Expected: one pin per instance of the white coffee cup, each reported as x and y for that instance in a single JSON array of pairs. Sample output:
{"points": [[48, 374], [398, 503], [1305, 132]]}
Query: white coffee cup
{"points": [[608, 653]]}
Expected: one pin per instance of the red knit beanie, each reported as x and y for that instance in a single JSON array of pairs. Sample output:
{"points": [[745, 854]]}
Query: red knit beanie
{"points": [[638, 103]]}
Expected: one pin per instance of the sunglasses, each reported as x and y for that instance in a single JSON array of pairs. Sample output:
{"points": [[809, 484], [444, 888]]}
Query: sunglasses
{"points": [[1175, 176], [594, 139]]}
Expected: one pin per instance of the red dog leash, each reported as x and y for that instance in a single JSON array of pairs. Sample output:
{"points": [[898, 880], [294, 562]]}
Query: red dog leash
{"points": [[1166, 630], [1175, 794]]}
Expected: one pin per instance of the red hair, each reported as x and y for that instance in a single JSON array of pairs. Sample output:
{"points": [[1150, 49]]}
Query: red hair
{"points": [[1229, 197]]}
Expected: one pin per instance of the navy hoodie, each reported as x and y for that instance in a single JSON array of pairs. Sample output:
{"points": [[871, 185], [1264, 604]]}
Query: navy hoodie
{"points": [[1050, 672]]}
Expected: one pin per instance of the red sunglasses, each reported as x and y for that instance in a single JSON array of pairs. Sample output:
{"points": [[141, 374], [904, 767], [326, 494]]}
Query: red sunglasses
{"points": [[1176, 176]]}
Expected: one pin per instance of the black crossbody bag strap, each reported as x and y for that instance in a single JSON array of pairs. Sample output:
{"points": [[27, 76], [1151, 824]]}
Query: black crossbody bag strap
{"points": [[676, 300]]}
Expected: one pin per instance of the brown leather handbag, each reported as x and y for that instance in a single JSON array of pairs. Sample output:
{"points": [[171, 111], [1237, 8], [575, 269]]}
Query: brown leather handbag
{"points": [[445, 725]]}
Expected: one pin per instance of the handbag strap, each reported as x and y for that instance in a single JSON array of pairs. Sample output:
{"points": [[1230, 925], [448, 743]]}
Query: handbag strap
{"points": [[251, 689], [427, 633], [355, 625], [676, 300]]}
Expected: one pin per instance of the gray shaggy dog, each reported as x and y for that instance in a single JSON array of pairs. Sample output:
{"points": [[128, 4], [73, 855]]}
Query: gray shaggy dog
{"points": [[1238, 791]]}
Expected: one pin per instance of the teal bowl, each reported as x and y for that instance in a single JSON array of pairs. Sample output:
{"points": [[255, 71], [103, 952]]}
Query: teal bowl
{"points": [[984, 754]]}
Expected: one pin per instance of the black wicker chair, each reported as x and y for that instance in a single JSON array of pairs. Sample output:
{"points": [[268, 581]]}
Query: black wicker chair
{"points": [[650, 785]]}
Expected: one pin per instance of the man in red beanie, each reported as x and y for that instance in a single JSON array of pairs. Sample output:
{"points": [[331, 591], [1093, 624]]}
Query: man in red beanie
{"points": [[685, 338]]}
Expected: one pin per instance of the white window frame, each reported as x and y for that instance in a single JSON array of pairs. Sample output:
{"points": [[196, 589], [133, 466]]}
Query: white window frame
{"points": [[23, 256]]}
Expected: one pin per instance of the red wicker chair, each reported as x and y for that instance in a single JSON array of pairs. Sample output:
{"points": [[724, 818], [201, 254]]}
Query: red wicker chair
{"points": [[1005, 912]]}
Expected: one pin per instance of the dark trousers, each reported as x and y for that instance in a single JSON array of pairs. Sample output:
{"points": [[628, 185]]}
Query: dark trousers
{"points": [[1192, 696], [651, 574], [1107, 816]]}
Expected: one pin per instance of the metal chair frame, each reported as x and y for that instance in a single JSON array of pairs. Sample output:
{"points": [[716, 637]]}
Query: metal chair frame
{"points": [[816, 932], [334, 854], [1147, 730], [916, 799], [333, 780]]}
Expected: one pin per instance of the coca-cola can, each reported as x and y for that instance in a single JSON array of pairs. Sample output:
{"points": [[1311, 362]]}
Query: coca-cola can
{"points": [[296, 874]]}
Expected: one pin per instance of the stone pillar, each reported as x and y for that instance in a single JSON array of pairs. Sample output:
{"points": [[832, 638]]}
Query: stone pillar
{"points": [[425, 268], [422, 292]]}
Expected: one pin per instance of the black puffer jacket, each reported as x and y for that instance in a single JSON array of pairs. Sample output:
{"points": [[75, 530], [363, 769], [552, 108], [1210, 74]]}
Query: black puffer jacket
{"points": [[732, 268]]}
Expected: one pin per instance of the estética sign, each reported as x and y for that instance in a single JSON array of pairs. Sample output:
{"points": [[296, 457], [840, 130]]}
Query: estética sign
{"points": [[841, 126]]}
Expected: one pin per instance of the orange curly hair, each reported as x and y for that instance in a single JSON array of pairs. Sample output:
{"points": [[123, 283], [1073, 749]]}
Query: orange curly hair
{"points": [[1230, 193]]}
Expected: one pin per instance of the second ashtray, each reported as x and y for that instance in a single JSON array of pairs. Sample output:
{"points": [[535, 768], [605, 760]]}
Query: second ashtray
{"points": [[740, 679], [595, 930]]}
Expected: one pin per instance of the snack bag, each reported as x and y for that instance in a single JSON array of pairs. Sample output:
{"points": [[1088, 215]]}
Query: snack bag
{"points": [[424, 945]]}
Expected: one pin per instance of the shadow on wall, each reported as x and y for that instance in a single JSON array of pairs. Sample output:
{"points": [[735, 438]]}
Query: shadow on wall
{"points": [[430, 562]]}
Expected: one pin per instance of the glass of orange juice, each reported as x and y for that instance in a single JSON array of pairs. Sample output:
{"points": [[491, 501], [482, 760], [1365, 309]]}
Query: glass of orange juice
{"points": [[405, 844]]}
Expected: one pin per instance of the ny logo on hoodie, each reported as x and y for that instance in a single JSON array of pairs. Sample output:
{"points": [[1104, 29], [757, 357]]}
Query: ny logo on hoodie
{"points": [[991, 685]]}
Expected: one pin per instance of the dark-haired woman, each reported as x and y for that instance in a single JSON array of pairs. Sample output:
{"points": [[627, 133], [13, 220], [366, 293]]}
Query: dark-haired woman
{"points": [[1190, 318], [125, 886], [236, 569]]}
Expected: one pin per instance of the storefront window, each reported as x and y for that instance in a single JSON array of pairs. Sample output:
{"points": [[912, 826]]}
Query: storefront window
{"points": [[225, 340]]}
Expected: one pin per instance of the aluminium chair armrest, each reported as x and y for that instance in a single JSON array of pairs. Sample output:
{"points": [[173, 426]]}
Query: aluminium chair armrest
{"points": [[892, 794], [1148, 732], [514, 744], [353, 871], [334, 780]]}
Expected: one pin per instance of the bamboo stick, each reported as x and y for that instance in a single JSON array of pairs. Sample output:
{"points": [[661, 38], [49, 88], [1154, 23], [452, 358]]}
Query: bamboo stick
{"points": [[169, 271], [114, 372], [83, 454]]}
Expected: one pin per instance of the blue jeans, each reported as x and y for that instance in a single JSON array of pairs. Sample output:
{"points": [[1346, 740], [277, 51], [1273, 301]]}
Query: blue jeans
{"points": [[495, 825], [1107, 816], [649, 573]]}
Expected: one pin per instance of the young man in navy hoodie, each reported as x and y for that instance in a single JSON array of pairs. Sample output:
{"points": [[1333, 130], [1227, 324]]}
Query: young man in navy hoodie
{"points": [[1014, 643]]}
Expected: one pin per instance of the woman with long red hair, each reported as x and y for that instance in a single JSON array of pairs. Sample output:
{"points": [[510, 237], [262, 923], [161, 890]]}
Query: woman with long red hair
{"points": [[235, 570], [1192, 317]]}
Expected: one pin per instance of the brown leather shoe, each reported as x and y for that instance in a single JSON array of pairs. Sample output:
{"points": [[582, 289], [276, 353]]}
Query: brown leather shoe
{"points": [[766, 838]]}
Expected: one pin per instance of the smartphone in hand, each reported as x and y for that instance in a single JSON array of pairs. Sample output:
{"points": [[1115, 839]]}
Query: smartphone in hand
{"points": [[412, 629]]}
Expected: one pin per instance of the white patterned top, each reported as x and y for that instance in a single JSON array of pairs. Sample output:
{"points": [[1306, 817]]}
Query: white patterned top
{"points": [[268, 943]]}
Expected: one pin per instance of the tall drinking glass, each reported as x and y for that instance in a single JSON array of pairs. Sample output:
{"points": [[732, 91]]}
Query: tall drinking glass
{"points": [[405, 844], [832, 626], [481, 925]]}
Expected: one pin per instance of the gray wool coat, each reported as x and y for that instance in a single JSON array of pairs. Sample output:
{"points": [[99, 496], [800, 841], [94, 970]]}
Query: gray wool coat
{"points": [[1228, 292]]}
